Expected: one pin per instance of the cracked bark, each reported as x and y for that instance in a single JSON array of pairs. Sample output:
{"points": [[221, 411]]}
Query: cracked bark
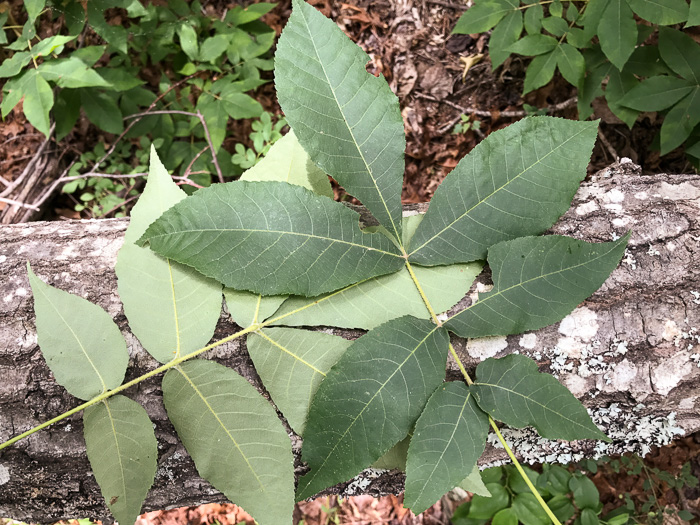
{"points": [[628, 352]]}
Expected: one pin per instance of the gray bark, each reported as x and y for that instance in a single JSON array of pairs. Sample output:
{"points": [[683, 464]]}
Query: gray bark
{"points": [[631, 352]]}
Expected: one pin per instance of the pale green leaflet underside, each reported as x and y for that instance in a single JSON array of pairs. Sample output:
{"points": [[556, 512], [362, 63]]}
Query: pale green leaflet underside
{"points": [[271, 238], [381, 382], [81, 344], [348, 120], [234, 437], [178, 310], [122, 450], [512, 390], [516, 182]]}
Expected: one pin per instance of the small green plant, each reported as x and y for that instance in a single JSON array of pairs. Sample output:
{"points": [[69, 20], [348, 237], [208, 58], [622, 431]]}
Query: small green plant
{"points": [[600, 48], [506, 499], [263, 136], [465, 124], [288, 256], [208, 67]]}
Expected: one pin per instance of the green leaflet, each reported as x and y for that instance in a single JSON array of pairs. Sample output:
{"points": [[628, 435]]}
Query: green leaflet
{"points": [[483, 15], [680, 52], [38, 100], [619, 84], [656, 93], [234, 437], [474, 484], [680, 121], [449, 438], [503, 36], [489, 196], [540, 71], [81, 344], [292, 363], [247, 308], [348, 120], [177, 312], [368, 388], [368, 304], [102, 110], [537, 282], [512, 390], [71, 73], [271, 238], [287, 161], [122, 450]]}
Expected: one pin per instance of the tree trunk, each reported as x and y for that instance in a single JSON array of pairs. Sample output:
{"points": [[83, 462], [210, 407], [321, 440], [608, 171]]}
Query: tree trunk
{"points": [[631, 352]]}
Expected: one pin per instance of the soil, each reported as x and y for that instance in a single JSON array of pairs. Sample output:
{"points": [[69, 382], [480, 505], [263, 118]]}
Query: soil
{"points": [[409, 42]]}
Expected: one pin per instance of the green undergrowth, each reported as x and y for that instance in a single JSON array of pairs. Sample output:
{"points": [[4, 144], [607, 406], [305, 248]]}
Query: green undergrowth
{"points": [[639, 56]]}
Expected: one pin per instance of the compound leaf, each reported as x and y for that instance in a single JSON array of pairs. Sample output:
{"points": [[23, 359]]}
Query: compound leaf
{"points": [[449, 438], [656, 93], [234, 436], [369, 303], [662, 12], [171, 308], [680, 52], [513, 391], [271, 238], [537, 282], [287, 161], [292, 363], [381, 382], [347, 119], [122, 450], [489, 196], [81, 344], [483, 15]]}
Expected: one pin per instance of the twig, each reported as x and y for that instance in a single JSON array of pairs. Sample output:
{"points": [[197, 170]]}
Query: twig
{"points": [[18, 203], [609, 147], [115, 208], [101, 175], [198, 115], [132, 124], [189, 166], [29, 167], [483, 113], [443, 3]]}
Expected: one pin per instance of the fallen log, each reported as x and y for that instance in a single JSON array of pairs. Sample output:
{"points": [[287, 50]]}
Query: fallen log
{"points": [[631, 352]]}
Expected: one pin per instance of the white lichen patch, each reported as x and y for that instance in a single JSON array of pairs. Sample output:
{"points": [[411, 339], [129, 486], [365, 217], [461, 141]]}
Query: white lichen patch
{"points": [[668, 373], [614, 195], [629, 431], [485, 347], [623, 375], [696, 296], [587, 207], [364, 480], [641, 195], [571, 346], [671, 246], [4, 475], [653, 251], [528, 341], [3, 258], [629, 260], [576, 384], [581, 323], [21, 292], [684, 191], [621, 222]]}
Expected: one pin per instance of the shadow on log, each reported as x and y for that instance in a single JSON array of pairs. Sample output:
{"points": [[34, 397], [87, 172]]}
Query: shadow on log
{"points": [[631, 352]]}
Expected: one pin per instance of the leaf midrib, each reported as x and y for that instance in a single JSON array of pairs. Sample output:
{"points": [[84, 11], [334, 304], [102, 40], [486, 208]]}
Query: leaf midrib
{"points": [[119, 455], [347, 124], [280, 232], [221, 423], [482, 201], [369, 402], [287, 351]]}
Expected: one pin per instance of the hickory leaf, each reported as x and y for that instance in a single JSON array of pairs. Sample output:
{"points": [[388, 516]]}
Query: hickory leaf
{"points": [[122, 450], [292, 363], [271, 238], [540, 71], [537, 282], [448, 440], [681, 53], [177, 313], [512, 390], [503, 36], [656, 93], [663, 12], [234, 436], [367, 389], [488, 197], [617, 32], [680, 121], [348, 120], [483, 15], [81, 344]]}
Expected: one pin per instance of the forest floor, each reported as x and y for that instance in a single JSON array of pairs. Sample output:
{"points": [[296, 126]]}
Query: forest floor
{"points": [[409, 42]]}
